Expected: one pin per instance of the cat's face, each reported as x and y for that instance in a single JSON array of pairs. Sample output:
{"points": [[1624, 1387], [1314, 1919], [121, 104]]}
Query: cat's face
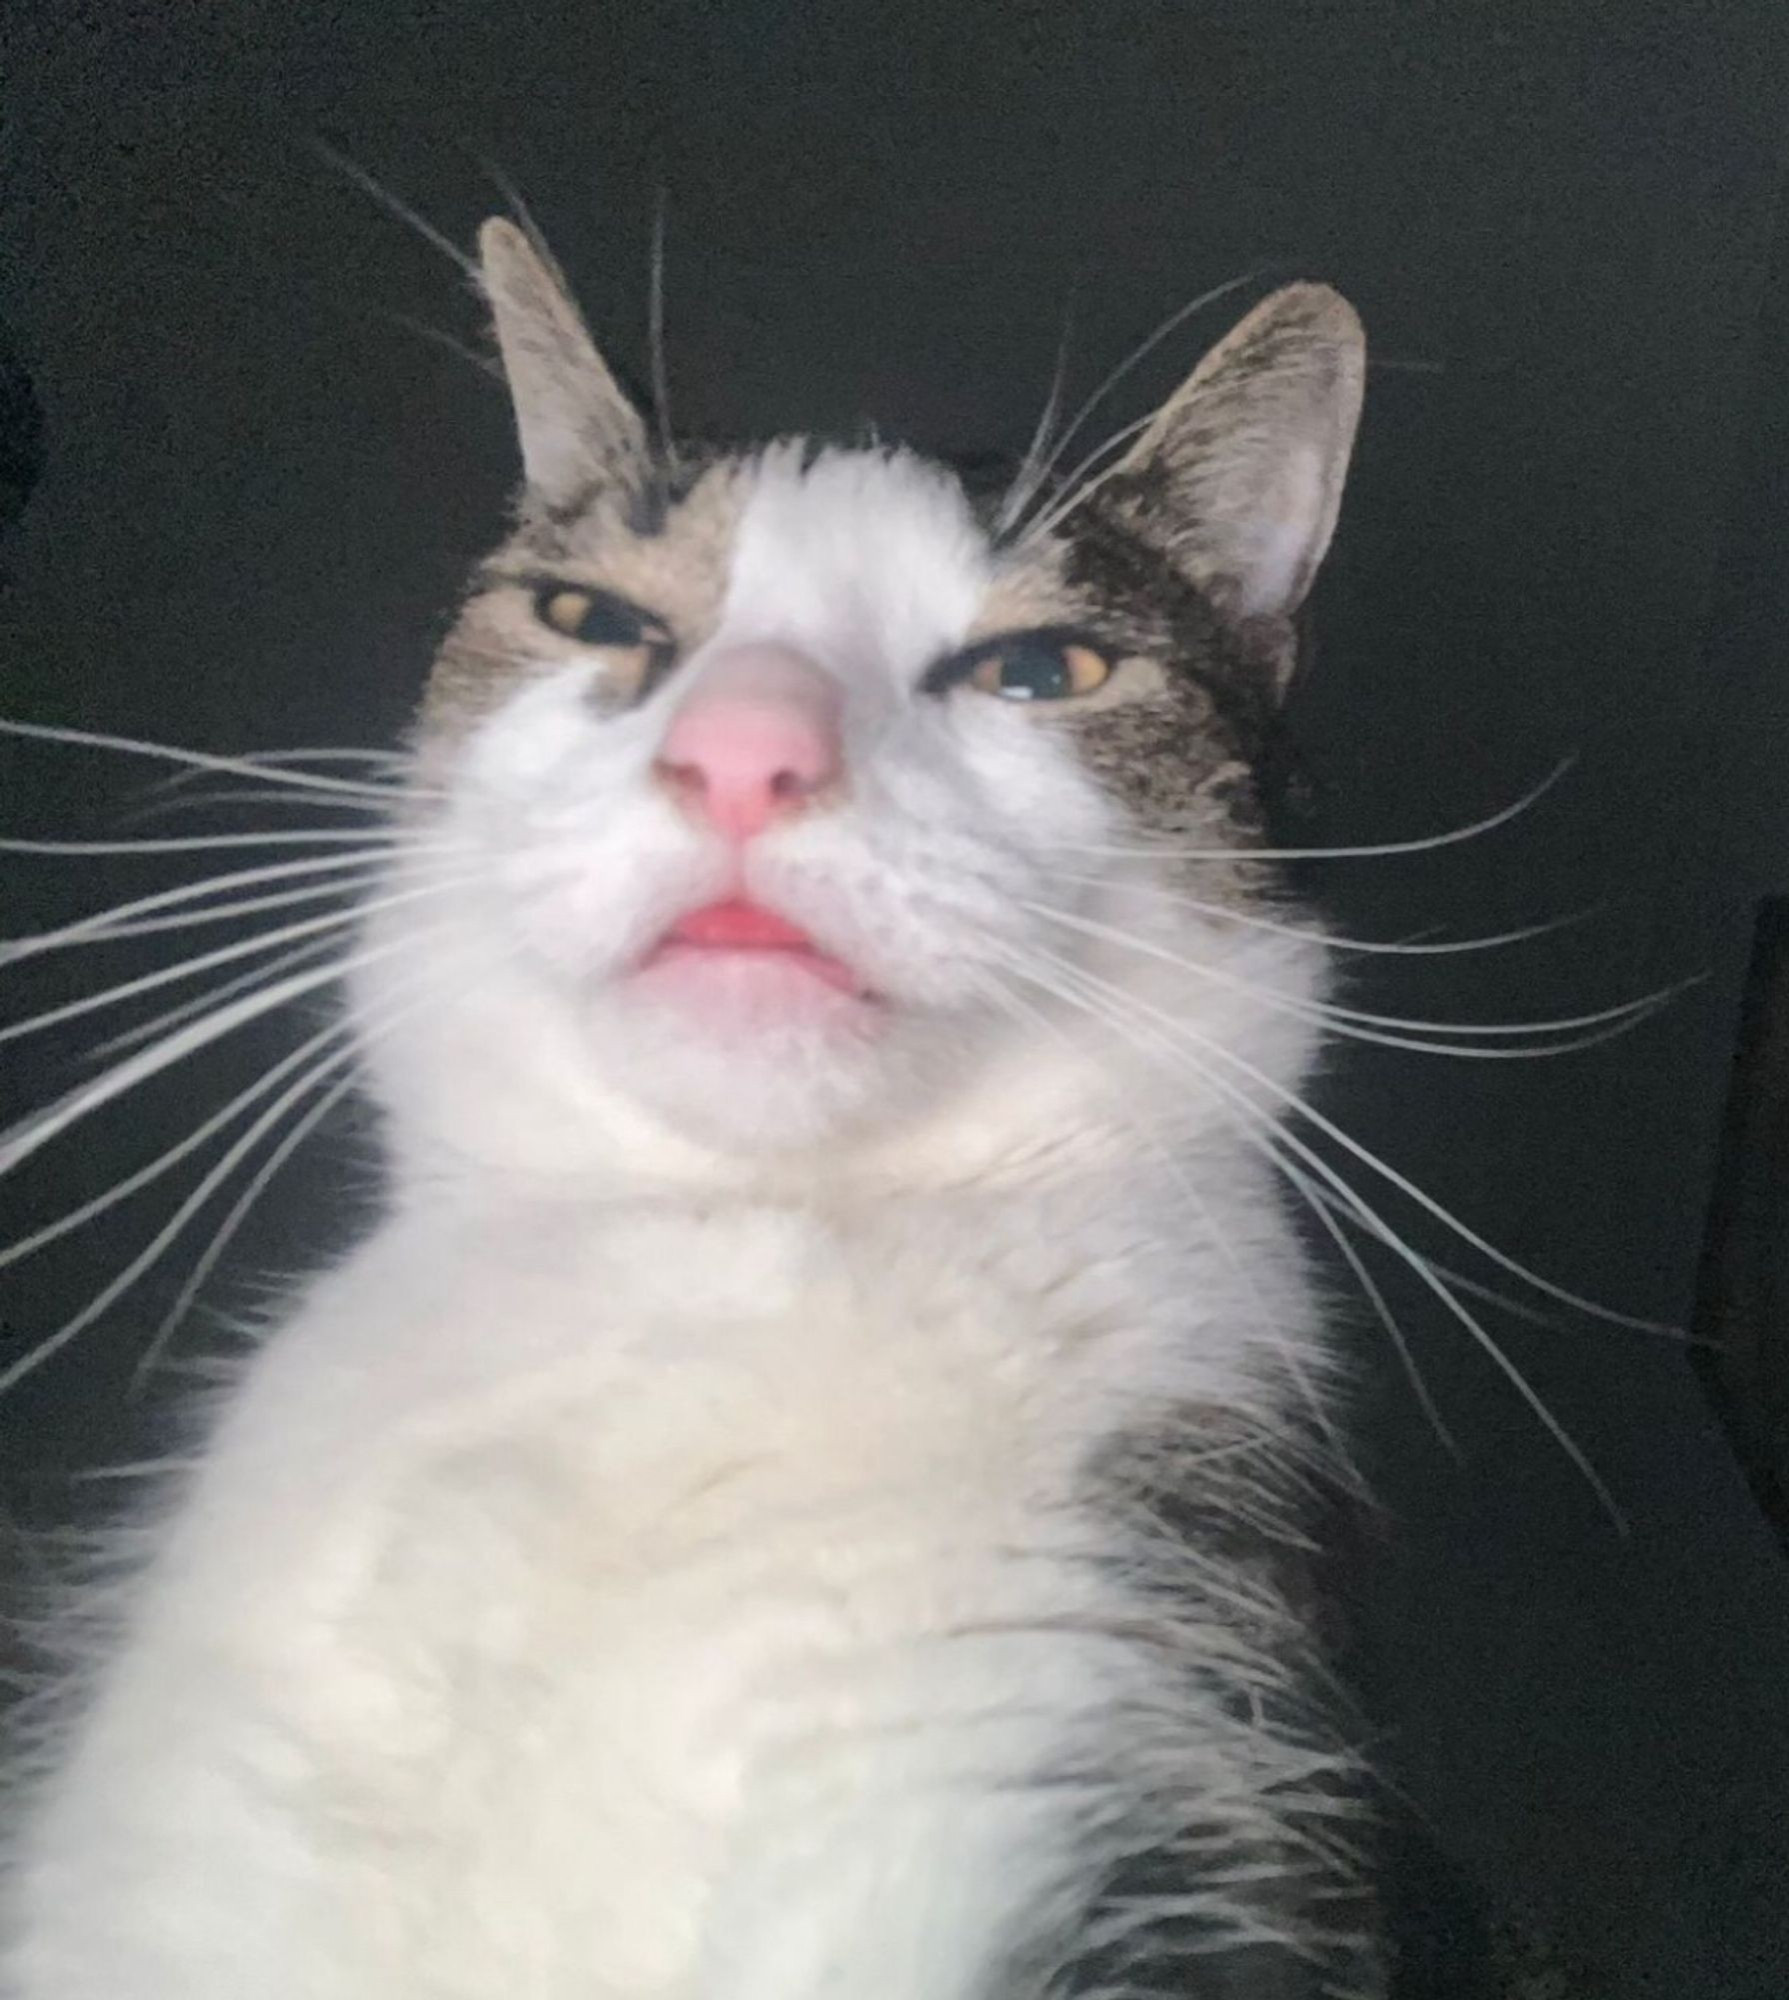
{"points": [[777, 796]]}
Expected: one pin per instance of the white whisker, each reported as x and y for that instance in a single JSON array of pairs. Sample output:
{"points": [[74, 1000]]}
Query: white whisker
{"points": [[227, 1230], [31, 1134], [102, 922], [366, 1035], [329, 753], [1330, 940], [1078, 486], [1225, 1249], [388, 201], [1238, 1268], [1488, 1345], [142, 1468], [218, 913], [196, 760], [193, 801], [1318, 1205], [1359, 1025], [355, 1042], [148, 982], [400, 764], [1033, 465], [1137, 356], [171, 1157], [117, 1287], [1326, 1170], [1474, 1287], [206, 843], [520, 213], [439, 337], [1402, 1182], [655, 334], [1445, 1216], [259, 975], [1238, 856]]}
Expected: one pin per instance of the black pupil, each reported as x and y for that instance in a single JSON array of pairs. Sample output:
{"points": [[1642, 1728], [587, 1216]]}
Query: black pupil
{"points": [[1035, 673], [609, 622], [608, 625]]}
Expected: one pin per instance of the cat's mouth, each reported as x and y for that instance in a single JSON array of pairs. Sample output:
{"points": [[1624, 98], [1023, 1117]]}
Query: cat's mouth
{"points": [[741, 949]]}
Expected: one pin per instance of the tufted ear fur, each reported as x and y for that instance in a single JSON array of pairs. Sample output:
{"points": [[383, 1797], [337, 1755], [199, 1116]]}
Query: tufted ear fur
{"points": [[1239, 477], [575, 425]]}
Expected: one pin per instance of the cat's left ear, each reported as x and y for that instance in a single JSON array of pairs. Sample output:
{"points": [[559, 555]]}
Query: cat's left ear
{"points": [[575, 425], [1239, 476]]}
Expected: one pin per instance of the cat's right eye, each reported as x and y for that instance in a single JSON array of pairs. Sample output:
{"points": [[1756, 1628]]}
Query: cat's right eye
{"points": [[639, 647]]}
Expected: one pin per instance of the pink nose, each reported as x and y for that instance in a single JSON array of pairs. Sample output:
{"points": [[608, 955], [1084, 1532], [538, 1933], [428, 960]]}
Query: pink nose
{"points": [[755, 741]]}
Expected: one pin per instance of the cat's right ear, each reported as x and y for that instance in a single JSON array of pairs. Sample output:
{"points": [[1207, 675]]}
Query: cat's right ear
{"points": [[576, 428]]}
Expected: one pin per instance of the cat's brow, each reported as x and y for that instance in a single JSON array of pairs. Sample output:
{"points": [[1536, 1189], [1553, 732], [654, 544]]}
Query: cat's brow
{"points": [[505, 576]]}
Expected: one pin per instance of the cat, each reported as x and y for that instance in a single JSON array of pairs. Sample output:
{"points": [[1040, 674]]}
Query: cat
{"points": [[808, 1490]]}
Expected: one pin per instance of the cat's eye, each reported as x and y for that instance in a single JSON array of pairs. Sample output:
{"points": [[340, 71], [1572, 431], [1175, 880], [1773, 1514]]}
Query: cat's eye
{"points": [[1040, 668], [640, 647]]}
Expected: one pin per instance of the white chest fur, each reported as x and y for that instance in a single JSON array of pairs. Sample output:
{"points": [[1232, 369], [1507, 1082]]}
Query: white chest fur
{"points": [[557, 1597]]}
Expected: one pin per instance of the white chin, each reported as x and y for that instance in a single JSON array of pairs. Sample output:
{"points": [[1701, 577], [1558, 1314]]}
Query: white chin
{"points": [[754, 999], [749, 1050]]}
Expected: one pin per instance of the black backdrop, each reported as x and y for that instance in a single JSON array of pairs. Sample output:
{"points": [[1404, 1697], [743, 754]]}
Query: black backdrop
{"points": [[1566, 534]]}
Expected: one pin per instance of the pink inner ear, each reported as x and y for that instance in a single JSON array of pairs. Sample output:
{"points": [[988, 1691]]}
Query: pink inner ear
{"points": [[756, 741], [1279, 547]]}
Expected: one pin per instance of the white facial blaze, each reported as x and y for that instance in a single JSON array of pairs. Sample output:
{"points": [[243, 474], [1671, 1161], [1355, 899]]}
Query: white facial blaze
{"points": [[930, 872], [872, 565]]}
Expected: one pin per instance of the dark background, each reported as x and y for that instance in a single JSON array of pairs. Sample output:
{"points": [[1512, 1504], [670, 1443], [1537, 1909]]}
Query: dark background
{"points": [[1566, 534]]}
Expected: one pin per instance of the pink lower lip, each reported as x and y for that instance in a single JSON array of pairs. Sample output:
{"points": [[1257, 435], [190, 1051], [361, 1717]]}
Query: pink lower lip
{"points": [[738, 929]]}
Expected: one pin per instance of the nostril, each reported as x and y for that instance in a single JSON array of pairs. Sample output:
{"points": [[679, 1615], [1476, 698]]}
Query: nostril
{"points": [[793, 786], [688, 779]]}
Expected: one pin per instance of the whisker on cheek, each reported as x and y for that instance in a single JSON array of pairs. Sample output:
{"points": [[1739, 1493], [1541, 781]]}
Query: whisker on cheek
{"points": [[1167, 851]]}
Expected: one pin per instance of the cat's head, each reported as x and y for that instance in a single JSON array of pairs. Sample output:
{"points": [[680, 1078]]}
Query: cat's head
{"points": [[796, 797]]}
